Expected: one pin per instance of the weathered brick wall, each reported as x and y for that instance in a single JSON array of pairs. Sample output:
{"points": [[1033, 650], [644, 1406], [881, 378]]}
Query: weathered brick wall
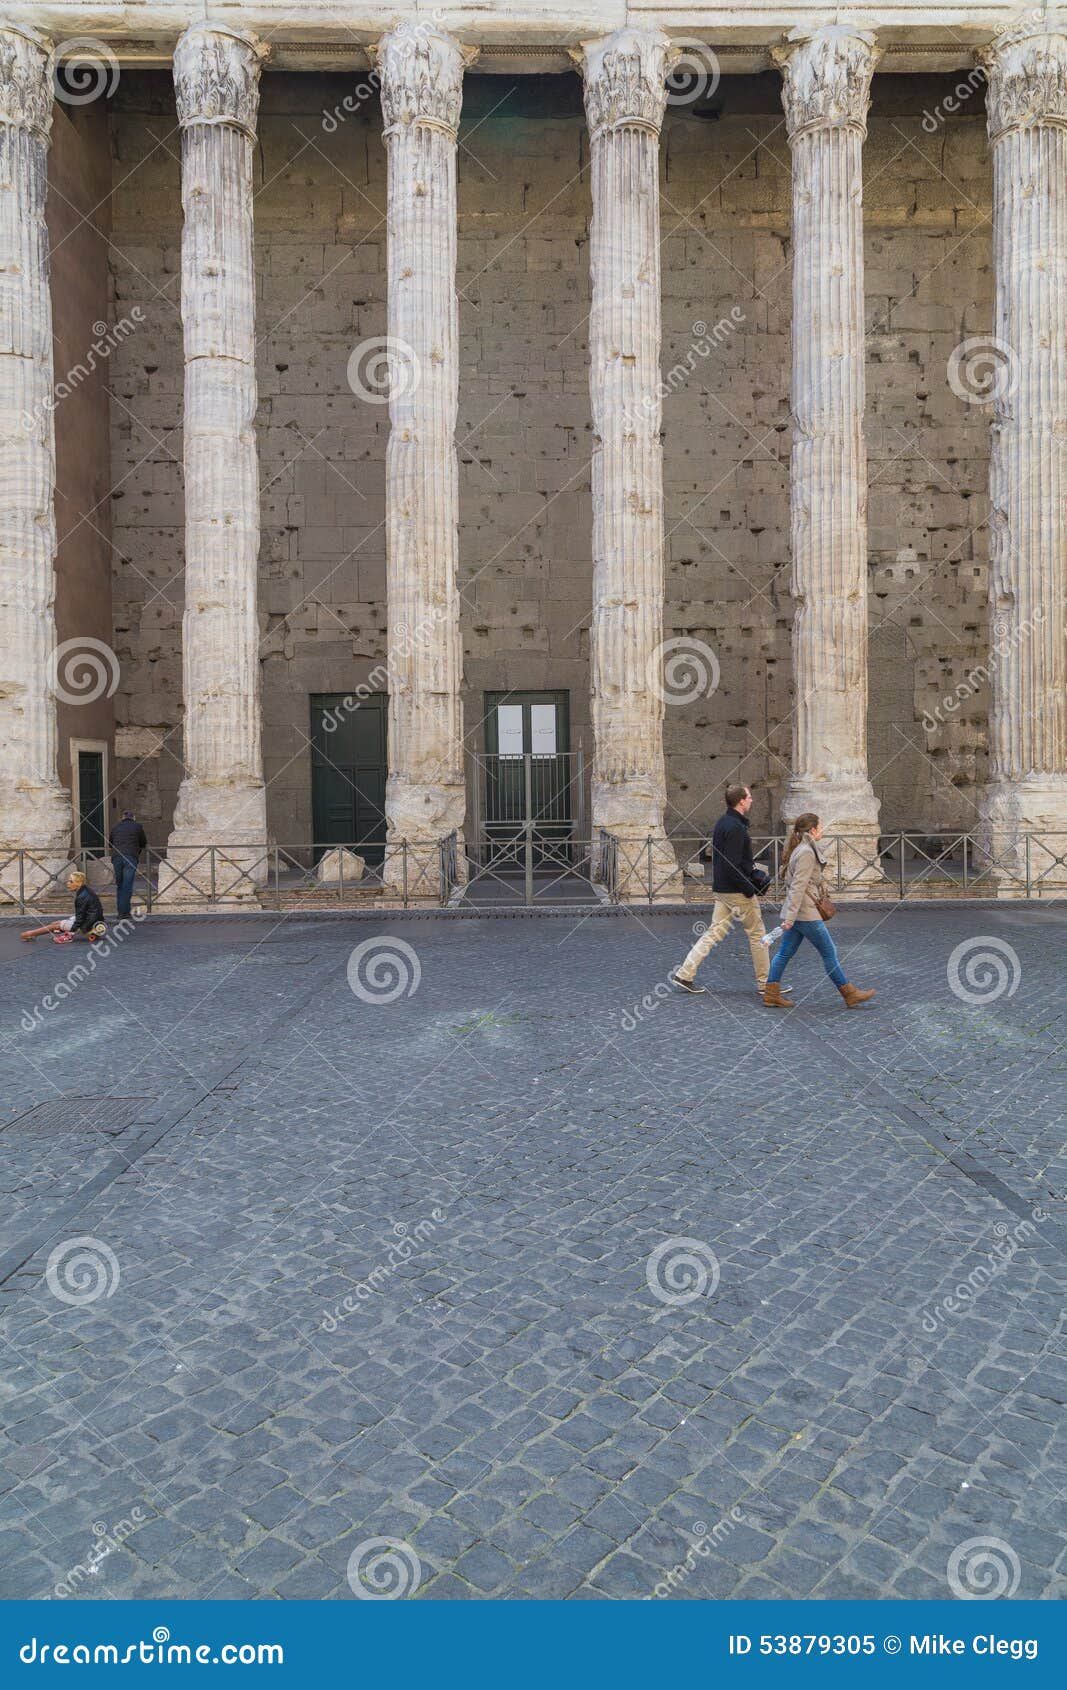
{"points": [[727, 437], [929, 285], [146, 449], [524, 428], [79, 179]]}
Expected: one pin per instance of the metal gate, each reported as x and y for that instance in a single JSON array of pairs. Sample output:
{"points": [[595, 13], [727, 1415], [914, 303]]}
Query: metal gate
{"points": [[527, 841]]}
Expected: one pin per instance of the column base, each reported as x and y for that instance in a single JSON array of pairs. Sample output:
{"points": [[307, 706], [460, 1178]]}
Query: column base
{"points": [[219, 848], [646, 869], [412, 868], [849, 812], [38, 824], [203, 872], [1022, 836], [420, 819], [40, 872], [631, 812]]}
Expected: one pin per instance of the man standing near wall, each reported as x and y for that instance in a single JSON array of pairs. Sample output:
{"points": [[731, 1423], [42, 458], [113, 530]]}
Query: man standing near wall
{"points": [[127, 842], [737, 882]]}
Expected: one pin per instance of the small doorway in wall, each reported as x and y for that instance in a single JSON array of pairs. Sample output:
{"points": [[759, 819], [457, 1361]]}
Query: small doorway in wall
{"points": [[348, 771], [88, 765]]}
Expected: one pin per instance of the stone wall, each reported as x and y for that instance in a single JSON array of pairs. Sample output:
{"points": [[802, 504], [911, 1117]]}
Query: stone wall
{"points": [[524, 425], [146, 449], [79, 180]]}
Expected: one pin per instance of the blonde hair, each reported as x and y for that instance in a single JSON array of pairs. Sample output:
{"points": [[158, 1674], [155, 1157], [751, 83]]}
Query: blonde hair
{"points": [[801, 826], [76, 878]]}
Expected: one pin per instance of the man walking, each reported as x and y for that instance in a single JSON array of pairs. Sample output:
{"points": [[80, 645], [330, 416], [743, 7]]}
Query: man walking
{"points": [[127, 842], [737, 882]]}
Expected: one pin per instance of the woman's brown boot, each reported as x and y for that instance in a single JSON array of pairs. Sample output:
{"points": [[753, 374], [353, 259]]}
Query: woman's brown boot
{"points": [[853, 995], [772, 996]]}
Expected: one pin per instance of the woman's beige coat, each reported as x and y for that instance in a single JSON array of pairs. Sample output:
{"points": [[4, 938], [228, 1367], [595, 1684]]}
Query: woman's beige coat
{"points": [[803, 883]]}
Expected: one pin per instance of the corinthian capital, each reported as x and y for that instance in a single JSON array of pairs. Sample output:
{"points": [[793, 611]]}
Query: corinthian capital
{"points": [[826, 78], [1026, 70], [216, 76], [422, 76], [26, 66], [625, 80]]}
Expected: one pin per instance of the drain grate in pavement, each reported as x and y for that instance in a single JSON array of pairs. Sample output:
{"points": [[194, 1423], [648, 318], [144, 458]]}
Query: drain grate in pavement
{"points": [[111, 1115]]}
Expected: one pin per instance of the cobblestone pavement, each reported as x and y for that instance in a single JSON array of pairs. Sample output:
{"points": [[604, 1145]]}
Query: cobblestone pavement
{"points": [[570, 1285]]}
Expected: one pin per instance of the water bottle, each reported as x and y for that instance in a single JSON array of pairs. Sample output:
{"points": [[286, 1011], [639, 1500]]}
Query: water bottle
{"points": [[775, 933]]}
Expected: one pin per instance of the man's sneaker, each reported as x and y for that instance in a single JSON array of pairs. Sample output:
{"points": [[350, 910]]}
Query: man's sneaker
{"points": [[687, 985]]}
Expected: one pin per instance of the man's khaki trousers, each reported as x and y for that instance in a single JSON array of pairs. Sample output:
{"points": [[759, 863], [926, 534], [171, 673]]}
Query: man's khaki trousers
{"points": [[727, 906]]}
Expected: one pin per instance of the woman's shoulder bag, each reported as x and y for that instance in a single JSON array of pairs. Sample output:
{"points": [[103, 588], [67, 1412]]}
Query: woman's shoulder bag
{"points": [[823, 902]]}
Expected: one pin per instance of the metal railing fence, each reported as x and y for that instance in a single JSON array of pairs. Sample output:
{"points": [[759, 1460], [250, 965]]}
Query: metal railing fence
{"points": [[532, 867], [220, 875], [529, 869], [905, 864]]}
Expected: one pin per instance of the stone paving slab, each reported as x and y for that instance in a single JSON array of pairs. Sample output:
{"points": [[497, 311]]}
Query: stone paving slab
{"points": [[571, 1286]]}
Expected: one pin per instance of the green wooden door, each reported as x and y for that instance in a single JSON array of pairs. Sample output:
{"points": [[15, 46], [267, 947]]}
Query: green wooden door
{"points": [[91, 820], [348, 770]]}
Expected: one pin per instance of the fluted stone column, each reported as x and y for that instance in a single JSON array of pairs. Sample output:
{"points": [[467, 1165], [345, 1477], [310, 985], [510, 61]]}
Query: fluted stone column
{"points": [[35, 810], [421, 71], [826, 81], [1027, 119], [222, 801], [625, 97]]}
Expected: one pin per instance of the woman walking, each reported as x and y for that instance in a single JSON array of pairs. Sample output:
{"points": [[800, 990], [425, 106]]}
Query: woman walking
{"points": [[802, 917]]}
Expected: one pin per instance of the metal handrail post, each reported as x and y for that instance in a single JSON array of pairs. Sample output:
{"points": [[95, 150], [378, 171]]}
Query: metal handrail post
{"points": [[22, 881], [212, 850], [528, 792], [900, 866], [648, 867], [966, 842], [579, 782], [404, 869], [1028, 887]]}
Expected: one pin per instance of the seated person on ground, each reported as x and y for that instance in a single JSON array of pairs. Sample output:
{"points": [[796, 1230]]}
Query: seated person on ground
{"points": [[87, 922]]}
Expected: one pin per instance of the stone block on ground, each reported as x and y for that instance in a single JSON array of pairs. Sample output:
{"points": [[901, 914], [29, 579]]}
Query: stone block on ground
{"points": [[339, 867], [99, 874]]}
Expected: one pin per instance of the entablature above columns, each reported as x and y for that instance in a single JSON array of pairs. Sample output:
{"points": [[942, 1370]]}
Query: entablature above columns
{"points": [[524, 36]]}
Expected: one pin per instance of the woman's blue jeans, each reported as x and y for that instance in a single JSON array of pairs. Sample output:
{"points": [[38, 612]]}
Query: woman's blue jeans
{"points": [[818, 934]]}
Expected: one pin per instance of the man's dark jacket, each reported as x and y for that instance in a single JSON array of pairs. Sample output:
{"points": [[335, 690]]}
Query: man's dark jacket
{"points": [[732, 866], [128, 840], [88, 910]]}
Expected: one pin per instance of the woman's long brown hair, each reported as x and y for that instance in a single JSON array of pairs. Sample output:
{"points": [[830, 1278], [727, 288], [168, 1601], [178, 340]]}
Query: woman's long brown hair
{"points": [[801, 826]]}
